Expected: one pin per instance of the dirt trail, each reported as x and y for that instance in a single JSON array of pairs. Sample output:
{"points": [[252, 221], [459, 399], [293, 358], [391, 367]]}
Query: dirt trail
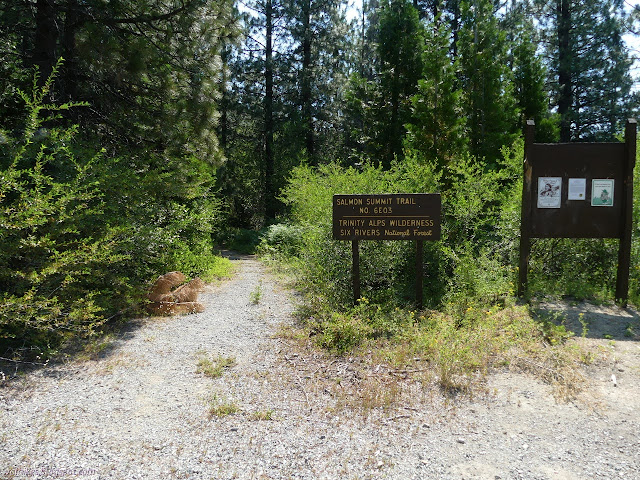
{"points": [[122, 414]]}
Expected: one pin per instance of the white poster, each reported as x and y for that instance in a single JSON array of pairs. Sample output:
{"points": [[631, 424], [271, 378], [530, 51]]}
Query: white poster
{"points": [[577, 189], [549, 192], [602, 193]]}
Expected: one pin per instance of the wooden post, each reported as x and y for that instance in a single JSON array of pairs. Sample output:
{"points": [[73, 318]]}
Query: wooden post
{"points": [[525, 212], [419, 274], [355, 270], [624, 252]]}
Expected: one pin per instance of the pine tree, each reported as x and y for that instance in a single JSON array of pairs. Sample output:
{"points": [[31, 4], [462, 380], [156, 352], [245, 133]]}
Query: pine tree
{"points": [[602, 83], [589, 67], [400, 50], [437, 131], [490, 106], [149, 69], [254, 98], [269, 191], [362, 89], [529, 74], [286, 94], [367, 60], [318, 34]]}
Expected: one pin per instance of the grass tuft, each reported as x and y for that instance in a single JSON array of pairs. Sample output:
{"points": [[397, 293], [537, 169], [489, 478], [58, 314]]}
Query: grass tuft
{"points": [[221, 407], [214, 368], [262, 415], [256, 294], [397, 348]]}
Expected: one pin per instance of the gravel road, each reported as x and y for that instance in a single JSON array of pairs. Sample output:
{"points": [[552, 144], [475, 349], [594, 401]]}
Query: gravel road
{"points": [[144, 411]]}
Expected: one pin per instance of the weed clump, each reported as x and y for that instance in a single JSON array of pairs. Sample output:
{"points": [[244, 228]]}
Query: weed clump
{"points": [[214, 368], [218, 407]]}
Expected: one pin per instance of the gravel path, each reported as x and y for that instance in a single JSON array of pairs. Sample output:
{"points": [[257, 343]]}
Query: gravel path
{"points": [[142, 410]]}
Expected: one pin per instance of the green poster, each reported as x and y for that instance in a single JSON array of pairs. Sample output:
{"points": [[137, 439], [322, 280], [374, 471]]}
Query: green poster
{"points": [[602, 193]]}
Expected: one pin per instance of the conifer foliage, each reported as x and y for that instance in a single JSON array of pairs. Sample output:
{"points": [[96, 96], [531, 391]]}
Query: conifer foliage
{"points": [[589, 66], [108, 158]]}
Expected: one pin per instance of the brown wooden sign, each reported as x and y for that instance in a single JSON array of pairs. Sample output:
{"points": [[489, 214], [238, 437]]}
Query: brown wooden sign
{"points": [[410, 216], [578, 190], [396, 216]]}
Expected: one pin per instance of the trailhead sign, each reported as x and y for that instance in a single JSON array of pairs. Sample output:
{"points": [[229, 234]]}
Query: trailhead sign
{"points": [[577, 190], [397, 216], [389, 216]]}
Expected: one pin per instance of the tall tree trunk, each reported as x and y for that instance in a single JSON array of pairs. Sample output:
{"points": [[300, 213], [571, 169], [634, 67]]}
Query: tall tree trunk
{"points": [[395, 148], [565, 99], [363, 37], [455, 28], [72, 21], [224, 101], [306, 80], [435, 11], [268, 114], [46, 36]]}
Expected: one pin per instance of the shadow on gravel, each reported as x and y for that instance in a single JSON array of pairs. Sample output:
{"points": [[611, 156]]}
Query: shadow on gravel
{"points": [[16, 363], [232, 255], [92, 349], [592, 321]]}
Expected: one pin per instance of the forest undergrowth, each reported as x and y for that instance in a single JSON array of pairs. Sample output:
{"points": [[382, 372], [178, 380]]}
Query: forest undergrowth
{"points": [[84, 234], [472, 323]]}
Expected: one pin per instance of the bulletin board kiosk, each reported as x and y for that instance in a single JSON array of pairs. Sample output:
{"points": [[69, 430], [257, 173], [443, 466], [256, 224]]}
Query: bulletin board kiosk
{"points": [[578, 190]]}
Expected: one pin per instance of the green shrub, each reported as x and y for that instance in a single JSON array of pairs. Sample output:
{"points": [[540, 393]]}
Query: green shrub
{"points": [[360, 324], [166, 212], [580, 268], [54, 244], [201, 263], [83, 234], [281, 239], [473, 258], [478, 279], [241, 240], [634, 274]]}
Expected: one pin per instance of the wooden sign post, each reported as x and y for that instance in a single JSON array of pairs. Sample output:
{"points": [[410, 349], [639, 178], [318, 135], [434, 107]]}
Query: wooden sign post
{"points": [[410, 216], [578, 190]]}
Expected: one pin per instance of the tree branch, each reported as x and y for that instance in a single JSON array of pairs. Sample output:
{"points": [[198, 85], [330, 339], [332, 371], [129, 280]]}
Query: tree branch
{"points": [[150, 18]]}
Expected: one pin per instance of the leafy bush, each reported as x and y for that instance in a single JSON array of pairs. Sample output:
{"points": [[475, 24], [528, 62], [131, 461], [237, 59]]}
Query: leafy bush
{"points": [[634, 275], [201, 264], [580, 268], [281, 239], [166, 211], [84, 234], [360, 324], [241, 239], [471, 260], [54, 244]]}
